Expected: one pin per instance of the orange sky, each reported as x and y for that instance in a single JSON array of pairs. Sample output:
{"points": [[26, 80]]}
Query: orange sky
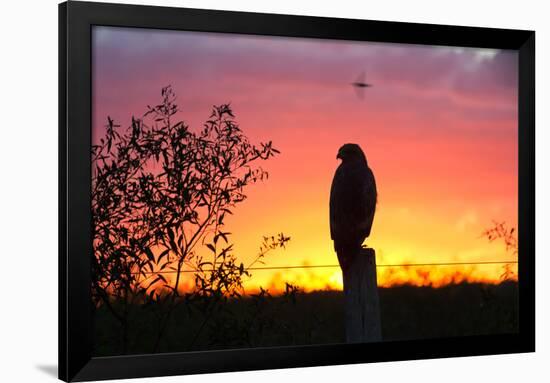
{"points": [[439, 129]]}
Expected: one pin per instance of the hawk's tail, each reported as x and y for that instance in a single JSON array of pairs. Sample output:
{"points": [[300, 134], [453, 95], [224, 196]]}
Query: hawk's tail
{"points": [[346, 254]]}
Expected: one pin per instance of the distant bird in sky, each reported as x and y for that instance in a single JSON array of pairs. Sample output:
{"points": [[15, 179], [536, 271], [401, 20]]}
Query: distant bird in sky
{"points": [[353, 197], [360, 85]]}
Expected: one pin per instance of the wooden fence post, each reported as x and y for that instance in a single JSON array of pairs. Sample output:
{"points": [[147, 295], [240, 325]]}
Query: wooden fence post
{"points": [[362, 307]]}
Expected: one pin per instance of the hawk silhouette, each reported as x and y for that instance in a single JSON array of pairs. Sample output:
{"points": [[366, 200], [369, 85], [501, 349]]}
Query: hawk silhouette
{"points": [[353, 199]]}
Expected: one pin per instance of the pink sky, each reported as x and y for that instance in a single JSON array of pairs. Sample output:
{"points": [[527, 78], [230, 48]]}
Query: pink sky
{"points": [[439, 129]]}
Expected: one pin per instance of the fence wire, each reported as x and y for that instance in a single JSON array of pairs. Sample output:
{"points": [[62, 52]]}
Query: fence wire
{"points": [[334, 266]]}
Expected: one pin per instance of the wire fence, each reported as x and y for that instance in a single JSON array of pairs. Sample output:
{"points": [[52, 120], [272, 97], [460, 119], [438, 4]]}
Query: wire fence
{"points": [[334, 266]]}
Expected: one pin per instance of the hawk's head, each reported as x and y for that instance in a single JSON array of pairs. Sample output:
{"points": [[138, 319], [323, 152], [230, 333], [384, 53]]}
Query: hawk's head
{"points": [[351, 153]]}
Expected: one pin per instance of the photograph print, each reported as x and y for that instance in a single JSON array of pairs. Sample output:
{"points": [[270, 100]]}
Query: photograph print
{"points": [[263, 191]]}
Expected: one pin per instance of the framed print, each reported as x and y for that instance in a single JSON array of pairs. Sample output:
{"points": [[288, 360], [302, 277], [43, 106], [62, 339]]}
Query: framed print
{"points": [[248, 191]]}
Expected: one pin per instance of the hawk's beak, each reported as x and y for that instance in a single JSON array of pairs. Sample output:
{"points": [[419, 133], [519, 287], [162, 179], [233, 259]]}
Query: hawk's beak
{"points": [[338, 156]]}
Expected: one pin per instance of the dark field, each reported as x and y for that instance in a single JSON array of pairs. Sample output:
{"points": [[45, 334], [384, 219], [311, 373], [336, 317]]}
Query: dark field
{"points": [[315, 318]]}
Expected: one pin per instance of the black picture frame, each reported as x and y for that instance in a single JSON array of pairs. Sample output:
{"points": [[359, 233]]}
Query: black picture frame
{"points": [[75, 321]]}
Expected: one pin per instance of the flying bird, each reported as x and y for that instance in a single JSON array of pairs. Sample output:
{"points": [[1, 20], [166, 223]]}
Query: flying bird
{"points": [[353, 198], [360, 85]]}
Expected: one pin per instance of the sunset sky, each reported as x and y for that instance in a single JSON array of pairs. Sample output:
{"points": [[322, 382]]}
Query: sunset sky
{"points": [[438, 127]]}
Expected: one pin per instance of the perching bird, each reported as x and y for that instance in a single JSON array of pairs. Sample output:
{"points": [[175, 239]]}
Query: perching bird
{"points": [[353, 199]]}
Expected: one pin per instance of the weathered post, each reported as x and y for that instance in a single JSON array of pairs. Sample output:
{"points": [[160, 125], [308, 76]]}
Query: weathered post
{"points": [[362, 308]]}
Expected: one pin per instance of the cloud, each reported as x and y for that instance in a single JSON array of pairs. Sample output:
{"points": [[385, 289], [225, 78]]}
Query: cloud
{"points": [[296, 82], [123, 54]]}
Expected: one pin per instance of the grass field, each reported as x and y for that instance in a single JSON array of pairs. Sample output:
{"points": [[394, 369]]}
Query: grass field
{"points": [[407, 312]]}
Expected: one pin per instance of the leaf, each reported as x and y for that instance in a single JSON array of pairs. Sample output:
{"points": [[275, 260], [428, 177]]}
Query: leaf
{"points": [[163, 254], [172, 242], [157, 279], [211, 247], [163, 266], [224, 236], [162, 278], [149, 254]]}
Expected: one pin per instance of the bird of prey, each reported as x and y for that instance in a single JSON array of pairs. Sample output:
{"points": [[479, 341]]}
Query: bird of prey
{"points": [[353, 197], [360, 85]]}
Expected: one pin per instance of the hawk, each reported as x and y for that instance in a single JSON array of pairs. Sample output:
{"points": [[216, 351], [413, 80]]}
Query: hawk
{"points": [[353, 199]]}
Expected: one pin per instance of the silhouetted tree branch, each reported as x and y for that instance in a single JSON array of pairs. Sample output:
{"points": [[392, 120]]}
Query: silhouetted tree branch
{"points": [[501, 231], [160, 195]]}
